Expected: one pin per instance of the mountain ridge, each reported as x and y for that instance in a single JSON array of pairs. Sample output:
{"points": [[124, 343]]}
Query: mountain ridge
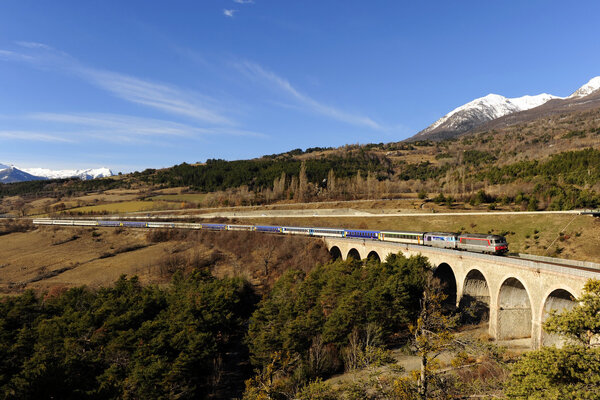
{"points": [[484, 110], [11, 173]]}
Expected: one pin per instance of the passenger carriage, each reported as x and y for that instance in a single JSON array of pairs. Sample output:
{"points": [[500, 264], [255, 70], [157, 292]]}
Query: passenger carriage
{"points": [[327, 232], [293, 230], [266, 228], [240, 227], [108, 223], [42, 221], [359, 234], [135, 224], [401, 237], [214, 227], [161, 225], [86, 223], [445, 240]]}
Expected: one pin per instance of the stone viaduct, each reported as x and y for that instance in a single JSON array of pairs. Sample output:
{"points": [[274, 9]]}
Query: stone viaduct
{"points": [[518, 292]]}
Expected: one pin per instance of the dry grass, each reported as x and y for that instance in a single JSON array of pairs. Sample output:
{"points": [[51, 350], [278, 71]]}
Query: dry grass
{"points": [[51, 257], [187, 197], [124, 207]]}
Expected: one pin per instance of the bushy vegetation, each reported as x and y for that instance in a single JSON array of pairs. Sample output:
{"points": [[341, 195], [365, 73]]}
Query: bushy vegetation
{"points": [[125, 342], [572, 167], [337, 316]]}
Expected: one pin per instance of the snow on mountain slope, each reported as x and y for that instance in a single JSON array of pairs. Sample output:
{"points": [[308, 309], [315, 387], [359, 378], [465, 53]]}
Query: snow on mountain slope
{"points": [[588, 88], [529, 102], [2, 166], [482, 110], [12, 174], [70, 173]]}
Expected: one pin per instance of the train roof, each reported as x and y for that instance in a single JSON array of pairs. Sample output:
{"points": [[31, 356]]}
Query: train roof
{"points": [[408, 232], [481, 236]]}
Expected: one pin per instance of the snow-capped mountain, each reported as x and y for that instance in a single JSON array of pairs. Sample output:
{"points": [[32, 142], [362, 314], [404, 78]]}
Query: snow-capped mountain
{"points": [[587, 89], [10, 173], [482, 110], [485, 109], [83, 174]]}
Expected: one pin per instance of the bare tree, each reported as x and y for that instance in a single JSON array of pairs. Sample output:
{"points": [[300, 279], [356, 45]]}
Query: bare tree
{"points": [[432, 333], [303, 183], [266, 252]]}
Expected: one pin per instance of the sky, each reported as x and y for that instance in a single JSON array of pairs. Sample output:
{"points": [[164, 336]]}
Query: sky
{"points": [[139, 84]]}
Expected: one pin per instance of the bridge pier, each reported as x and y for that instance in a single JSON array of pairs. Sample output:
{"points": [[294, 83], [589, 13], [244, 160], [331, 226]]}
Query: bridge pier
{"points": [[520, 293]]}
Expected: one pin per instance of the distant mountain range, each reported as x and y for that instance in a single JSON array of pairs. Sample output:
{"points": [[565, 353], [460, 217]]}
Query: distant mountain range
{"points": [[10, 173], [479, 113]]}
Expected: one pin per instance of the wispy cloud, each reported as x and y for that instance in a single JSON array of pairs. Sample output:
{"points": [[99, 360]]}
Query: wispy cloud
{"points": [[229, 13], [34, 45], [114, 123], [159, 96], [34, 136], [259, 73], [156, 95], [115, 128], [244, 1], [105, 126], [13, 56]]}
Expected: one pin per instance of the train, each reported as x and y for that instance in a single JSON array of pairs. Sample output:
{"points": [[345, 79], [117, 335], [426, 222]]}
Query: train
{"points": [[473, 242]]}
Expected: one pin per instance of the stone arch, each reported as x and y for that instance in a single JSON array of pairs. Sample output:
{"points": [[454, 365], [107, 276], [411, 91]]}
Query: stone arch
{"points": [[475, 299], [335, 252], [560, 300], [447, 278], [353, 253], [374, 256], [514, 311]]}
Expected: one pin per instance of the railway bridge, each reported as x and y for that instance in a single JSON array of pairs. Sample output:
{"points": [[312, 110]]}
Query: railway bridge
{"points": [[518, 292]]}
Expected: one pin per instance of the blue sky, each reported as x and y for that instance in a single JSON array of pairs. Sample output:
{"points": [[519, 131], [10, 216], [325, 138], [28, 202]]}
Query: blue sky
{"points": [[136, 84]]}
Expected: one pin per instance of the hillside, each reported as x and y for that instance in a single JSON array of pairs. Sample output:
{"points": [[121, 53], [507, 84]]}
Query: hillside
{"points": [[47, 258]]}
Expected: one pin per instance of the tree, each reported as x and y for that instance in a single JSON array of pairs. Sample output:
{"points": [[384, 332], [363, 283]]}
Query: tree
{"points": [[432, 332], [302, 183], [570, 372], [21, 206], [331, 184]]}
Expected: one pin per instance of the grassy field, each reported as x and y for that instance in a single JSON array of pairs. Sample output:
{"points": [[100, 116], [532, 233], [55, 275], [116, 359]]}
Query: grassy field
{"points": [[189, 197], [126, 207]]}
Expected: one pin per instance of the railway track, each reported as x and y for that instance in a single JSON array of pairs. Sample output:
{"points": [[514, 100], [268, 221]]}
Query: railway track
{"points": [[558, 262]]}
